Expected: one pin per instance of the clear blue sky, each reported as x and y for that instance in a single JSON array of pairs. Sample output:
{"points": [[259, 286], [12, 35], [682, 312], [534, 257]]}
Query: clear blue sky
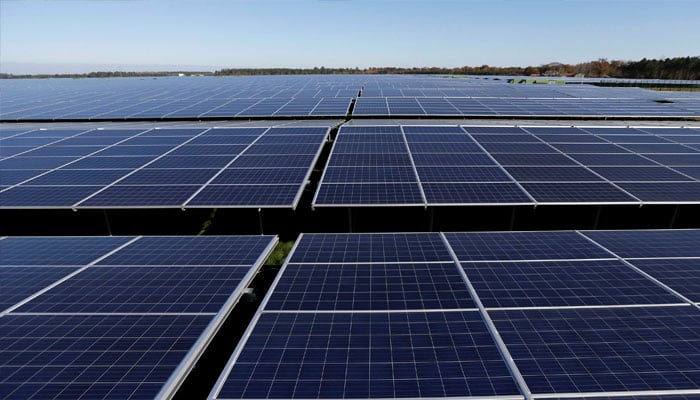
{"points": [[340, 33]]}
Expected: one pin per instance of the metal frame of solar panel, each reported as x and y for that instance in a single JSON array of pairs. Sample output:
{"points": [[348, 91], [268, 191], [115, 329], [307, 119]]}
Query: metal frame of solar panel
{"points": [[570, 313], [440, 165], [115, 317], [159, 167]]}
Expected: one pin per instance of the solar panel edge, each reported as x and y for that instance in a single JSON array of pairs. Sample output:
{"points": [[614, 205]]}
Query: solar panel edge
{"points": [[309, 171], [187, 363], [221, 380]]}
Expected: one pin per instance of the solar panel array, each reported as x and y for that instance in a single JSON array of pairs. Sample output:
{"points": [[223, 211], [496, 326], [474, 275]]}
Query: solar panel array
{"points": [[559, 314], [325, 96], [115, 317], [153, 167], [395, 165]]}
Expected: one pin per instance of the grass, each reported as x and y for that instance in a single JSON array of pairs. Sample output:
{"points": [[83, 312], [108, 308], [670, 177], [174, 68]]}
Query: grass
{"points": [[279, 254]]}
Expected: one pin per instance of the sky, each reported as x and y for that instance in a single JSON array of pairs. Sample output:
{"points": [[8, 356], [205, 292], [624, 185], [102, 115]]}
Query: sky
{"points": [[40, 36]]}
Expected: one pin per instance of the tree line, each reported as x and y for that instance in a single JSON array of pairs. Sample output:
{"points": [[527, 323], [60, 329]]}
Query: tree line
{"points": [[678, 68]]}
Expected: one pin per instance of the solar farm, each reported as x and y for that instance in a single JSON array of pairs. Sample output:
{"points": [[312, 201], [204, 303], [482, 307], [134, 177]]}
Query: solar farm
{"points": [[440, 237]]}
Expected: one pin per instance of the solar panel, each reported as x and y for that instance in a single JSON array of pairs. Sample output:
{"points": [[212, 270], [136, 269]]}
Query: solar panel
{"points": [[367, 355], [378, 286], [115, 317], [680, 274], [649, 243], [165, 168], [604, 350], [538, 165], [504, 246], [563, 283]]}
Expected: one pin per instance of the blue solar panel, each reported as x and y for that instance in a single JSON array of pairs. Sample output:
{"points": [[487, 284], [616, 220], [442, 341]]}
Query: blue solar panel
{"points": [[370, 287], [176, 161], [563, 283], [475, 193], [368, 355], [552, 160], [680, 274], [649, 244], [369, 194], [189, 176], [359, 160], [80, 177], [496, 246], [604, 350], [141, 195], [364, 248], [577, 193], [469, 159], [15, 251], [369, 174], [208, 150], [80, 356], [612, 159], [190, 250], [267, 176], [17, 283], [95, 162], [246, 196], [141, 290], [462, 174], [552, 174], [639, 174], [44, 196], [676, 192]]}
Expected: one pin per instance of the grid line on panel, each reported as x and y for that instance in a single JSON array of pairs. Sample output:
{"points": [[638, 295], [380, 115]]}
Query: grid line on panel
{"points": [[643, 156], [582, 165], [499, 165], [75, 160], [140, 168], [211, 179], [648, 276], [65, 278], [495, 335], [413, 166]]}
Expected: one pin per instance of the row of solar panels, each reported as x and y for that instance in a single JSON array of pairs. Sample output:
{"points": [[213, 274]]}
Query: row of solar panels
{"points": [[339, 107], [316, 96], [381, 165], [476, 165], [411, 315], [147, 167]]}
